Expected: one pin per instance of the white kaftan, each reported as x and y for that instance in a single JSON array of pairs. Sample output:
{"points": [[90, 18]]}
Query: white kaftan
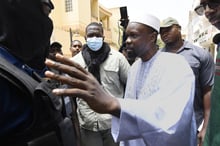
{"points": [[158, 105]]}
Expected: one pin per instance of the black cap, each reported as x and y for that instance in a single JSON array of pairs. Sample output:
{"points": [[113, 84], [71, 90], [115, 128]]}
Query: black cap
{"points": [[56, 45], [48, 3]]}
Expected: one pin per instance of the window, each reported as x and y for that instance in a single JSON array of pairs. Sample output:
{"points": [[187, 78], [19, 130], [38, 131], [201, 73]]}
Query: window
{"points": [[68, 5]]}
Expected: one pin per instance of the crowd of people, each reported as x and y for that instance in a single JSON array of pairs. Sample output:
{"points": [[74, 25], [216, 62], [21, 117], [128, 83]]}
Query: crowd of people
{"points": [[141, 96]]}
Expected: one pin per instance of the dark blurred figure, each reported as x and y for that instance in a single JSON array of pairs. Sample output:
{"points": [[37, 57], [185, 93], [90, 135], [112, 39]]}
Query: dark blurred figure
{"points": [[55, 48], [211, 9], [127, 54], [25, 31], [47, 6]]}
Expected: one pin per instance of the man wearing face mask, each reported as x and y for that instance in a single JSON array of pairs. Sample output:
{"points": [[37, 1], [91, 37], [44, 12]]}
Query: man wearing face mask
{"points": [[110, 68]]}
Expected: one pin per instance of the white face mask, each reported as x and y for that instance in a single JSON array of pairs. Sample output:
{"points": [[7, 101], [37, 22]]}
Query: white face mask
{"points": [[94, 43]]}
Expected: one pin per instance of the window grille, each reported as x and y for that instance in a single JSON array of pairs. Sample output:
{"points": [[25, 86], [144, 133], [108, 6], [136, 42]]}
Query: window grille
{"points": [[68, 5]]}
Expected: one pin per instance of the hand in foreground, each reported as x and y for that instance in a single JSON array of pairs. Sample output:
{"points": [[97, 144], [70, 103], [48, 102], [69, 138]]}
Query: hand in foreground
{"points": [[82, 84]]}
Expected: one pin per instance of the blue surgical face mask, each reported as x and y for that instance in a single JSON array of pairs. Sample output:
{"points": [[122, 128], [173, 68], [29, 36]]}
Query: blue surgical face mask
{"points": [[94, 43]]}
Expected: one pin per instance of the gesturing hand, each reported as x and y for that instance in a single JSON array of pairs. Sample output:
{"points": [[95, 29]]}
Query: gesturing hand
{"points": [[81, 84]]}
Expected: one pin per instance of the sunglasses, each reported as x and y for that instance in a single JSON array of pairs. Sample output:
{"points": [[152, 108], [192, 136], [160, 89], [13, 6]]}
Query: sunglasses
{"points": [[200, 10]]}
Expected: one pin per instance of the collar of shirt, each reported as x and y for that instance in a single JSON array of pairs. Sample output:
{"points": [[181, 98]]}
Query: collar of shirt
{"points": [[186, 46], [15, 61]]}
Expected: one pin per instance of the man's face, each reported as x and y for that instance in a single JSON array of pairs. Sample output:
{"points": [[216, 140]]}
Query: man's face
{"points": [[76, 47], [53, 51], [94, 37], [139, 39], [170, 34], [212, 11], [94, 31]]}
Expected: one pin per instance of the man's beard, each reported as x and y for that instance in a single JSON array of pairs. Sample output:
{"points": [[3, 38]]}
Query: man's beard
{"points": [[131, 54]]}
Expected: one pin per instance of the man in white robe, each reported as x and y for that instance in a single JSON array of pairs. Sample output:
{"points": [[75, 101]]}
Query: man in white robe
{"points": [[158, 106], [158, 110]]}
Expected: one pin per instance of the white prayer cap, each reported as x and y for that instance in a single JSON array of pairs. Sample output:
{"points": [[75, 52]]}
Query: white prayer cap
{"points": [[146, 19]]}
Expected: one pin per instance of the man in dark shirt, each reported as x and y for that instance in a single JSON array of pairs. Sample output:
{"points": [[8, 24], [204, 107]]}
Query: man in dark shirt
{"points": [[24, 36]]}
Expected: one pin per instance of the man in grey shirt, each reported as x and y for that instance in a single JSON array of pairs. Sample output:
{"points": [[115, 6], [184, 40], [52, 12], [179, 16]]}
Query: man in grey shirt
{"points": [[201, 63]]}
